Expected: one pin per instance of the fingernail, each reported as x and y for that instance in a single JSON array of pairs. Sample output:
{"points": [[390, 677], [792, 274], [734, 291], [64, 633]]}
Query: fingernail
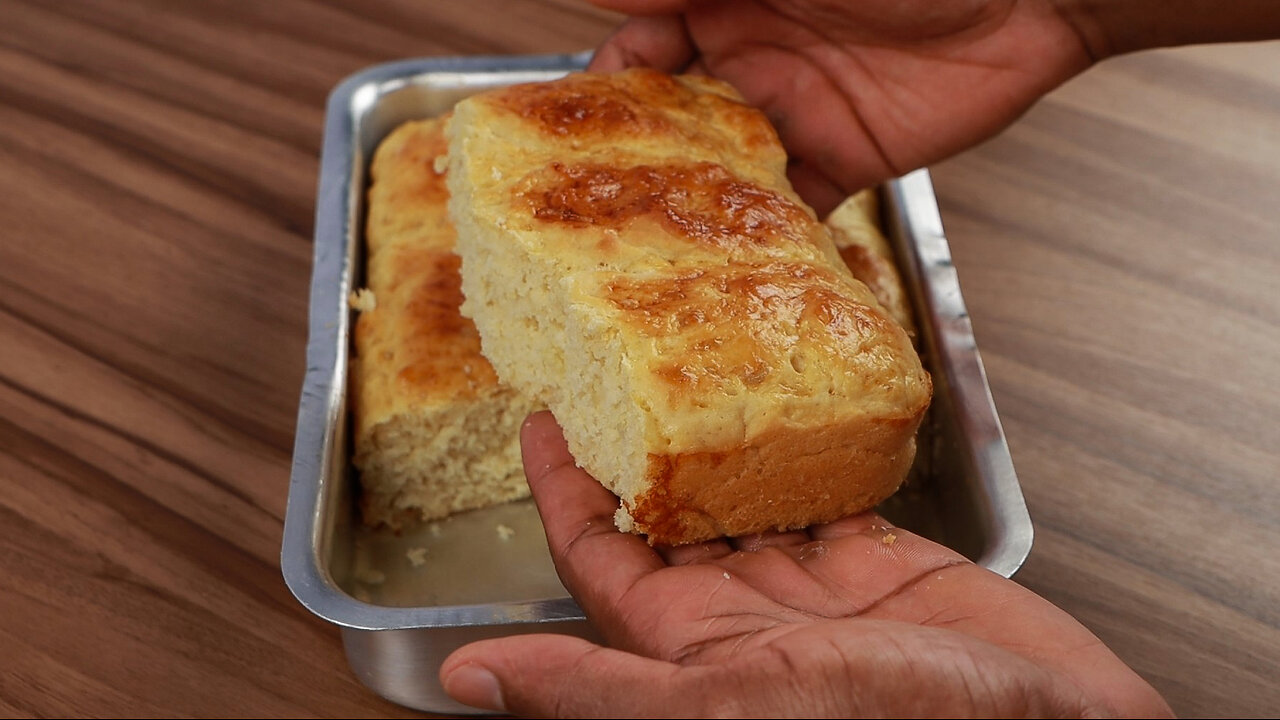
{"points": [[474, 685]]}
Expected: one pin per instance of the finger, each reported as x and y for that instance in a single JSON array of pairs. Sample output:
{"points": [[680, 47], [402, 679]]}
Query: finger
{"points": [[838, 569], [561, 676], [851, 525], [697, 66], [816, 189], [868, 560], [596, 563], [771, 538], [692, 554], [870, 527], [885, 549], [660, 42], [643, 7]]}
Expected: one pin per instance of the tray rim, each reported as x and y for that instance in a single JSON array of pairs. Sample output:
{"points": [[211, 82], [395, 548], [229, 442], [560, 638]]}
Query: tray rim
{"points": [[321, 411]]}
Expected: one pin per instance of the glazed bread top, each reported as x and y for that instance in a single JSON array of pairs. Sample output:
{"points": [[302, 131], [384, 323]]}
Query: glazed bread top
{"points": [[690, 173]]}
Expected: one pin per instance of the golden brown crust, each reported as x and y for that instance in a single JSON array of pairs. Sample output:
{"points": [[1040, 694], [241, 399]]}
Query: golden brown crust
{"points": [[647, 106], [699, 203], [776, 329], [813, 475], [407, 197]]}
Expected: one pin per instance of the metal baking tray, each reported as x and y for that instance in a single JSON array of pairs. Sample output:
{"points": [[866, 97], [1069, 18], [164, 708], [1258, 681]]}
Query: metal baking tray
{"points": [[404, 602]]}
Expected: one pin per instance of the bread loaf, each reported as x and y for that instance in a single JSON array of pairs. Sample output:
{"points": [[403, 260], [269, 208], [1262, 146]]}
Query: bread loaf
{"points": [[435, 432], [633, 256]]}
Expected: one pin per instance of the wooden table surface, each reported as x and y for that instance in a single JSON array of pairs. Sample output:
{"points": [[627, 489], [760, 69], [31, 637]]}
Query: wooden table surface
{"points": [[1118, 249]]}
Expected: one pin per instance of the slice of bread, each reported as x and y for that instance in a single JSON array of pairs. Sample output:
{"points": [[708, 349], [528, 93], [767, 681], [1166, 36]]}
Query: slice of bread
{"points": [[634, 257], [435, 432]]}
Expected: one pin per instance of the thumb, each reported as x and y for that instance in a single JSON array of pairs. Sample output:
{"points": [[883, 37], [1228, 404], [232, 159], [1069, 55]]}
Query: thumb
{"points": [[660, 42], [560, 676]]}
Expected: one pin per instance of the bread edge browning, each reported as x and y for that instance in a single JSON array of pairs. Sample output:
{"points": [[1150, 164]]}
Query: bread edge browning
{"points": [[694, 497]]}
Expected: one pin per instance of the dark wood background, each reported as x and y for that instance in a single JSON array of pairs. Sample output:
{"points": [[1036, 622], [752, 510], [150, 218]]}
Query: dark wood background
{"points": [[1118, 249]]}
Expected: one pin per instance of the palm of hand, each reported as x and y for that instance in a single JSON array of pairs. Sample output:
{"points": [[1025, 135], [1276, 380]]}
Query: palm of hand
{"points": [[850, 618], [853, 597], [896, 85]]}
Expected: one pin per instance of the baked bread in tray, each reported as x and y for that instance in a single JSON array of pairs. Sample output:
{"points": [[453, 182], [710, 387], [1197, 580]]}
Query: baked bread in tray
{"points": [[634, 257], [434, 430]]}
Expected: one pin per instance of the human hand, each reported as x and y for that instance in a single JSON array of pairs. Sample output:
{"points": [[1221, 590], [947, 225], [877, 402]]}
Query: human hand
{"points": [[853, 618], [861, 91]]}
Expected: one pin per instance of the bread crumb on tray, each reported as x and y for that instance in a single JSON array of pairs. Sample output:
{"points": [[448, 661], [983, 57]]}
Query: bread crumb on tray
{"points": [[362, 299], [417, 556]]}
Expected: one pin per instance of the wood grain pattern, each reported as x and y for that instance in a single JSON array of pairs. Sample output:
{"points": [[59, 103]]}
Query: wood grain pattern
{"points": [[1118, 249], [1119, 252]]}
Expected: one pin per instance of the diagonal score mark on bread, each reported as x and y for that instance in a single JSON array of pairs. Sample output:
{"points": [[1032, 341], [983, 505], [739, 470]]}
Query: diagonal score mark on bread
{"points": [[633, 256]]}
